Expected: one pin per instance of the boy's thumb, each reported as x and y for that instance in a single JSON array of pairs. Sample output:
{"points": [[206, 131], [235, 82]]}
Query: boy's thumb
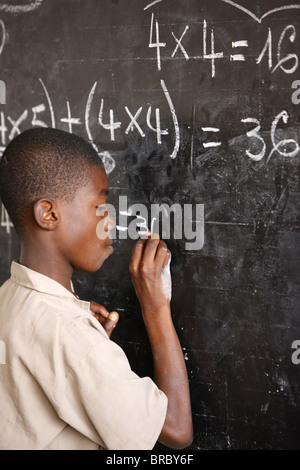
{"points": [[114, 316], [111, 322]]}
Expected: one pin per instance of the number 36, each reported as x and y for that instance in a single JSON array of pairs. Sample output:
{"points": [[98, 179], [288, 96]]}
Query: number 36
{"points": [[280, 147]]}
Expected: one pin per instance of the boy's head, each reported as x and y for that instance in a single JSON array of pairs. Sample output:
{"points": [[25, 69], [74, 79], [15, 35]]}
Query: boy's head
{"points": [[51, 182], [43, 162]]}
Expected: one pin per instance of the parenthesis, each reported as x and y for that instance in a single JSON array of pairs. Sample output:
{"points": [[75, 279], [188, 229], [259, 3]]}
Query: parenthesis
{"points": [[49, 103], [87, 115], [175, 120]]}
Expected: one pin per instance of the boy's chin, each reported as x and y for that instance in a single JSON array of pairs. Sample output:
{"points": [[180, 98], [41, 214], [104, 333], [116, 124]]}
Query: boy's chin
{"points": [[108, 251], [95, 266], [104, 255]]}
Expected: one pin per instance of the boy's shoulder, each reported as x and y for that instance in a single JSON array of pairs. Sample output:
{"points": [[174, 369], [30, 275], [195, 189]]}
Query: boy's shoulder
{"points": [[37, 311]]}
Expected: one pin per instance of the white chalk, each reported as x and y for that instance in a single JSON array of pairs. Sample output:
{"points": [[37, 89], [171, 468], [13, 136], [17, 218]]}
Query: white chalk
{"points": [[167, 281]]}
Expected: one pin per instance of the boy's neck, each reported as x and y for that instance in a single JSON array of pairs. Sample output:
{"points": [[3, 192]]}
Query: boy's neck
{"points": [[48, 263]]}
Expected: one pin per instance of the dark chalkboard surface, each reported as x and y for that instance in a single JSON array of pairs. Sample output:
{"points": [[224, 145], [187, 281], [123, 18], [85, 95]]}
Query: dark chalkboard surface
{"points": [[196, 103]]}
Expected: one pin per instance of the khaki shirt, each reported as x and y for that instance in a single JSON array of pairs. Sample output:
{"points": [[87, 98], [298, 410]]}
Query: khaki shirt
{"points": [[65, 384]]}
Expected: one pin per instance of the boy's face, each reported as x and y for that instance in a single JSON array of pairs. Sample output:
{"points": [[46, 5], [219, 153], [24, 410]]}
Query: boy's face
{"points": [[77, 237]]}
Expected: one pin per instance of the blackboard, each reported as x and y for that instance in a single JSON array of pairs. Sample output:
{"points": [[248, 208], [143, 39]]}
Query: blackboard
{"points": [[187, 102]]}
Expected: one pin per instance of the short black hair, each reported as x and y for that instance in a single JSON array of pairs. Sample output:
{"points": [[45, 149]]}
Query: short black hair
{"points": [[43, 163]]}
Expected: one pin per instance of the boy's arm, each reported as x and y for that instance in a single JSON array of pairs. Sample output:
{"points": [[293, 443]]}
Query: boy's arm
{"points": [[149, 260]]}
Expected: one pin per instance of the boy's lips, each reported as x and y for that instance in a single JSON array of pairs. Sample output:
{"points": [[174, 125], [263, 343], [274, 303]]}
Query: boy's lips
{"points": [[109, 244]]}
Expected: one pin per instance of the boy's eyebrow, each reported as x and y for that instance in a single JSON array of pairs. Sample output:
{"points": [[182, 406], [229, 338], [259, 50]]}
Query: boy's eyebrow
{"points": [[104, 192]]}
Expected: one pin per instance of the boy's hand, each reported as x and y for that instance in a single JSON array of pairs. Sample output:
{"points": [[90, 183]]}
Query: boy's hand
{"points": [[149, 268], [107, 320]]}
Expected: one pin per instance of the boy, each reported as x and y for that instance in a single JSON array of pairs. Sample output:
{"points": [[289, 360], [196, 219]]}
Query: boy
{"points": [[65, 384]]}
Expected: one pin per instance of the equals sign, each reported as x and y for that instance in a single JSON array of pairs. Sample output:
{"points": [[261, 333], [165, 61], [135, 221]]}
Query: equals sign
{"points": [[211, 144], [238, 57]]}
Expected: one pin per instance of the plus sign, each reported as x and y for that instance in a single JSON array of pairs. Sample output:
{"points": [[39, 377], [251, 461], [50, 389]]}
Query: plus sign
{"points": [[69, 120]]}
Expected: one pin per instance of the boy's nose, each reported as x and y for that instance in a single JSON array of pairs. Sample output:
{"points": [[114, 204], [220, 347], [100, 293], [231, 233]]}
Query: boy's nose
{"points": [[106, 224]]}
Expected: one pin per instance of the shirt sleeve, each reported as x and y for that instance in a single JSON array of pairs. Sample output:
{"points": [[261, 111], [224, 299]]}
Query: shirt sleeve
{"points": [[107, 402]]}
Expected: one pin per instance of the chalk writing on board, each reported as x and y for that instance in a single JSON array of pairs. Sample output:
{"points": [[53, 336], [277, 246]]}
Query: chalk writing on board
{"points": [[49, 103], [179, 43], [20, 8], [175, 120], [133, 124], [268, 13], [71, 121], [3, 35], [112, 126], [238, 44], [280, 147], [209, 52], [110, 122], [211, 143], [212, 55], [244, 9], [280, 61], [152, 4], [157, 45], [288, 147]]}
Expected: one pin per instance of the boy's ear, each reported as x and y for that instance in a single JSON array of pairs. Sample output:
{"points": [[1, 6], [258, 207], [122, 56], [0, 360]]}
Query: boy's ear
{"points": [[46, 214]]}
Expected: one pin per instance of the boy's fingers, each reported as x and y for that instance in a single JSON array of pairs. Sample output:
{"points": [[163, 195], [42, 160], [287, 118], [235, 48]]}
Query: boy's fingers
{"points": [[137, 253], [148, 248], [151, 248], [99, 309], [162, 254], [168, 258]]}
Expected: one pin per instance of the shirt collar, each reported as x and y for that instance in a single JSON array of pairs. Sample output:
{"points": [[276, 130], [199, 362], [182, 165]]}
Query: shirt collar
{"points": [[36, 281]]}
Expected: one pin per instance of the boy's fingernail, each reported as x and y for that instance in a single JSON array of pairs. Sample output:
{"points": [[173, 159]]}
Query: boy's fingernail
{"points": [[113, 316]]}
